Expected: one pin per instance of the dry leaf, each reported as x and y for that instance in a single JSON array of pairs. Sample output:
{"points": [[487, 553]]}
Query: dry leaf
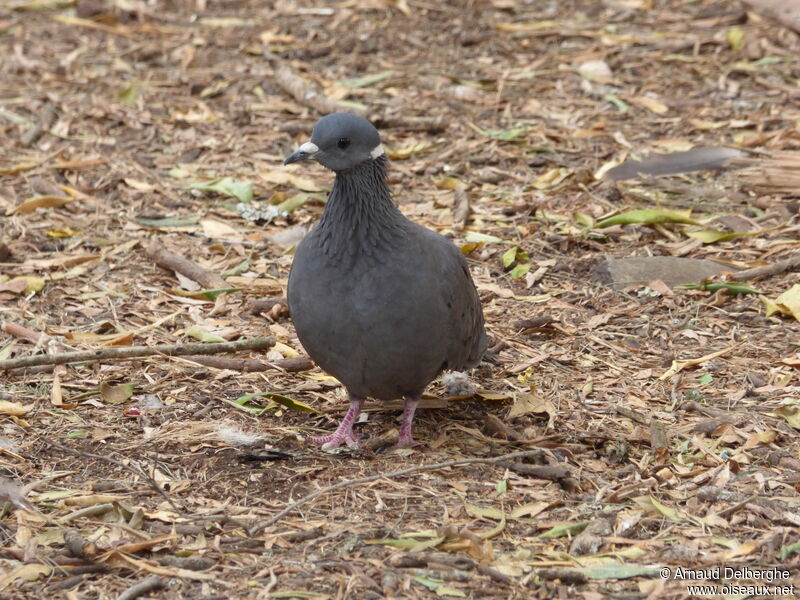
{"points": [[39, 202]]}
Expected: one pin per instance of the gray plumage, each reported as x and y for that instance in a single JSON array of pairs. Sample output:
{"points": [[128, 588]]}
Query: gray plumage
{"points": [[379, 302]]}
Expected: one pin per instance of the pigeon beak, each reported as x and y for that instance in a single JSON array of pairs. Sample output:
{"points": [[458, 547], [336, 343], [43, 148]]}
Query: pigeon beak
{"points": [[305, 152]]}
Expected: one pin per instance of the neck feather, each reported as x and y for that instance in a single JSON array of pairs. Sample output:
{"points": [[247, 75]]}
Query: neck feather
{"points": [[360, 216]]}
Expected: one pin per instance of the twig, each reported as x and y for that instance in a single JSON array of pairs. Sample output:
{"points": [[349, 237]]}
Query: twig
{"points": [[426, 124], [304, 91], [556, 473], [293, 364], [439, 559], [566, 576], [154, 582], [256, 307], [22, 332], [498, 428], [78, 546], [77, 575], [788, 264], [45, 121], [736, 507], [255, 530], [175, 262], [136, 352], [461, 209], [659, 440]]}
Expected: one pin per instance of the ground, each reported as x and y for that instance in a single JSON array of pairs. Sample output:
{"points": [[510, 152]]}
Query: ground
{"points": [[112, 115]]}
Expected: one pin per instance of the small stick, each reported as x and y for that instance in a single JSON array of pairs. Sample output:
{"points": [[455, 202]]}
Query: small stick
{"points": [[45, 121], [461, 209], [304, 91], [659, 440], [152, 583], [22, 332], [557, 473], [427, 124], [294, 364], [256, 529], [267, 306], [788, 264], [136, 352], [175, 262], [78, 546]]}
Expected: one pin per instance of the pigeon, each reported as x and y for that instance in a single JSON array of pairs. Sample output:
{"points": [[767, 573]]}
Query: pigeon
{"points": [[378, 301]]}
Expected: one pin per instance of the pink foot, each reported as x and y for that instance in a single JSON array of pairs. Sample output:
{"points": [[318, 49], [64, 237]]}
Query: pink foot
{"points": [[329, 442], [405, 439], [344, 433]]}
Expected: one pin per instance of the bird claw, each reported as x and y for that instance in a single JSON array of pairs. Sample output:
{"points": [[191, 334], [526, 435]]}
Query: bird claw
{"points": [[335, 440], [406, 442]]}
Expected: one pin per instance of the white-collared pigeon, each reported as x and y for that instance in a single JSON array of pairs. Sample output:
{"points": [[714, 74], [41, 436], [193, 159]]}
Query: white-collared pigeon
{"points": [[379, 302]]}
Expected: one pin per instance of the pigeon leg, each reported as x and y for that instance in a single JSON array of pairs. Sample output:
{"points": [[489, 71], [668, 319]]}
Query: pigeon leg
{"points": [[404, 440], [343, 433]]}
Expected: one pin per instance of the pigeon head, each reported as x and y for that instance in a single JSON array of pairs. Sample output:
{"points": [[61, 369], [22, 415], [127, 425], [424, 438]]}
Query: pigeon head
{"points": [[340, 141]]}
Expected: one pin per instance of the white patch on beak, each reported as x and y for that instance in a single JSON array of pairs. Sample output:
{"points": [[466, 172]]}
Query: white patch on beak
{"points": [[376, 151], [310, 148]]}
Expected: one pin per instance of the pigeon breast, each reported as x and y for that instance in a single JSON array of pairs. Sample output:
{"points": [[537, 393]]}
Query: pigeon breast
{"points": [[379, 302]]}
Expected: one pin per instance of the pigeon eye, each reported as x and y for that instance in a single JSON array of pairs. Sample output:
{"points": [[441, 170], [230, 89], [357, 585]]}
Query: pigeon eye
{"points": [[343, 143]]}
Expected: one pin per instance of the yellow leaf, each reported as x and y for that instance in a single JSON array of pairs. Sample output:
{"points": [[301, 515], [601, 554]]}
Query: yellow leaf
{"points": [[218, 229], [526, 26], [492, 395], [33, 284], [605, 168], [449, 183], [18, 168], [140, 186], [673, 145], [650, 104], [529, 510], [56, 396], [551, 178], [290, 403], [285, 350], [92, 499], [29, 572], [710, 236], [790, 412], [38, 202], [287, 178], [650, 504], [744, 549], [770, 307], [14, 409], [679, 365], [408, 151], [494, 514], [704, 125], [62, 232], [115, 394], [526, 403], [760, 438], [124, 338], [735, 38], [789, 301]]}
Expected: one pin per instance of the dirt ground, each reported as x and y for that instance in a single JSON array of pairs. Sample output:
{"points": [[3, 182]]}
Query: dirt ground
{"points": [[500, 119]]}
